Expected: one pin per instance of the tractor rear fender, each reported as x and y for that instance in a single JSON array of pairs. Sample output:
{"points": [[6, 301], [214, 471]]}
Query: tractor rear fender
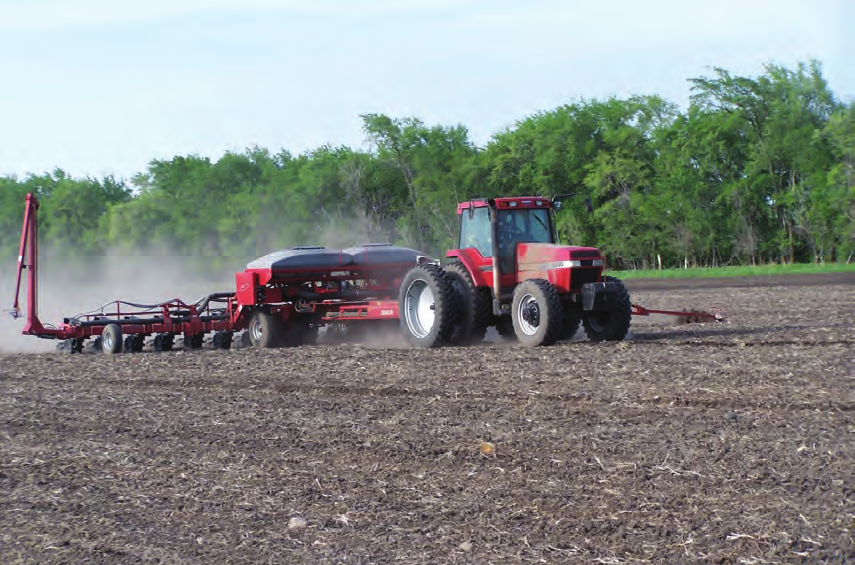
{"points": [[599, 295], [481, 276]]}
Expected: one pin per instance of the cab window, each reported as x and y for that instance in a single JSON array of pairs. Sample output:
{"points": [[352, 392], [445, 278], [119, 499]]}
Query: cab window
{"points": [[475, 231]]}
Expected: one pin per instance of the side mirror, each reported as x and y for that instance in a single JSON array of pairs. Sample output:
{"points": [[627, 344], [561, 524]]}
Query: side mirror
{"points": [[559, 198]]}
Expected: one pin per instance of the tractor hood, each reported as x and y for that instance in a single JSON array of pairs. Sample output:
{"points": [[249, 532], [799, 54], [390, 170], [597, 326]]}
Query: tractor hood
{"points": [[567, 268], [535, 255]]}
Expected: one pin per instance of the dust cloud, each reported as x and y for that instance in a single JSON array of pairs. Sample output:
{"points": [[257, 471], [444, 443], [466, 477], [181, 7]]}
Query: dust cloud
{"points": [[72, 286], [69, 286], [350, 231]]}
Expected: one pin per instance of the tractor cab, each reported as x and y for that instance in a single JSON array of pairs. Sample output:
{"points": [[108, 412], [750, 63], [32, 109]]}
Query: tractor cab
{"points": [[504, 241], [511, 267], [517, 221]]}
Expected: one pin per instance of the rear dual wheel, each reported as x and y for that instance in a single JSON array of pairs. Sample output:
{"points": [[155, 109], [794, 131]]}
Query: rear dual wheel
{"points": [[429, 306], [476, 306]]}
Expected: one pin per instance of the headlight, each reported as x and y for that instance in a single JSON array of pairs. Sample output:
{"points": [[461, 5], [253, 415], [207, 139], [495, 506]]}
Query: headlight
{"points": [[597, 262]]}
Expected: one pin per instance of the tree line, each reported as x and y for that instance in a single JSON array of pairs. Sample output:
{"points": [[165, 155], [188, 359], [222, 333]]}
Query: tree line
{"points": [[756, 170]]}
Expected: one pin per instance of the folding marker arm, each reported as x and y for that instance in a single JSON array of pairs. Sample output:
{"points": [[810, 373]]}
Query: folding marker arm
{"points": [[28, 253], [638, 310]]}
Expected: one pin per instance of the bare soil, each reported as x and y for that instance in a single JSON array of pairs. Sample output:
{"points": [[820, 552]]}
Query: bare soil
{"points": [[802, 279], [714, 443]]}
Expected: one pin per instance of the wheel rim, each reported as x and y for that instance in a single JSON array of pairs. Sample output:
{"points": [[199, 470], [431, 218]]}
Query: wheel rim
{"points": [[255, 330], [419, 308], [528, 315], [107, 341]]}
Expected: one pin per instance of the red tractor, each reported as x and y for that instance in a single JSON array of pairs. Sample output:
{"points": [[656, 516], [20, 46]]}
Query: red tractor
{"points": [[510, 271]]}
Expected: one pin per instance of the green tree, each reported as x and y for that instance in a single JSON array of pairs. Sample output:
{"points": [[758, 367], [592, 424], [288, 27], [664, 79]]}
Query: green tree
{"points": [[781, 114], [431, 165]]}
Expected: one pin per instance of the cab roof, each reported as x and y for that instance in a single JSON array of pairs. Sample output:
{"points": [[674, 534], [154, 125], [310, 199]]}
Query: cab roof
{"points": [[507, 203]]}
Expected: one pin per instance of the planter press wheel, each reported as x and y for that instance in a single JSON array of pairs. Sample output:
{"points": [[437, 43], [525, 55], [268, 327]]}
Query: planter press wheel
{"points": [[134, 343], [194, 341], [163, 342], [222, 340]]}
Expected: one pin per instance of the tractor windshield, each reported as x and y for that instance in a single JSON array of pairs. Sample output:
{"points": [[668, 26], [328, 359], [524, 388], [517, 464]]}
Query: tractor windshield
{"points": [[524, 226]]}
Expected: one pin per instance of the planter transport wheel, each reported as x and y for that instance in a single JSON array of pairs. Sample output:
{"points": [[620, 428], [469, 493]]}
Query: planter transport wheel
{"points": [[265, 330], [111, 339]]}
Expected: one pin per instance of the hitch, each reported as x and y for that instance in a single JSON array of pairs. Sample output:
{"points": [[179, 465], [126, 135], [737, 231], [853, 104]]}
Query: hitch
{"points": [[688, 315]]}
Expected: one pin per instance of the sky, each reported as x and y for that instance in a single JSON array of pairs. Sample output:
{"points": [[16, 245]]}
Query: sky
{"points": [[103, 87]]}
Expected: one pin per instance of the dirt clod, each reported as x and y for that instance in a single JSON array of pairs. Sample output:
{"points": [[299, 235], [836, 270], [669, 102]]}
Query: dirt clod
{"points": [[297, 524]]}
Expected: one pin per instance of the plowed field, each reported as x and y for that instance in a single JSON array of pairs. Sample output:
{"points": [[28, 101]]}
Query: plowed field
{"points": [[728, 443]]}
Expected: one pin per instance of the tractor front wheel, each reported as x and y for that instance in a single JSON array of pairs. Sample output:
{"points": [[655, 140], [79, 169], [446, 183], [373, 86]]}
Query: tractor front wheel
{"points": [[537, 313], [428, 306], [612, 324]]}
